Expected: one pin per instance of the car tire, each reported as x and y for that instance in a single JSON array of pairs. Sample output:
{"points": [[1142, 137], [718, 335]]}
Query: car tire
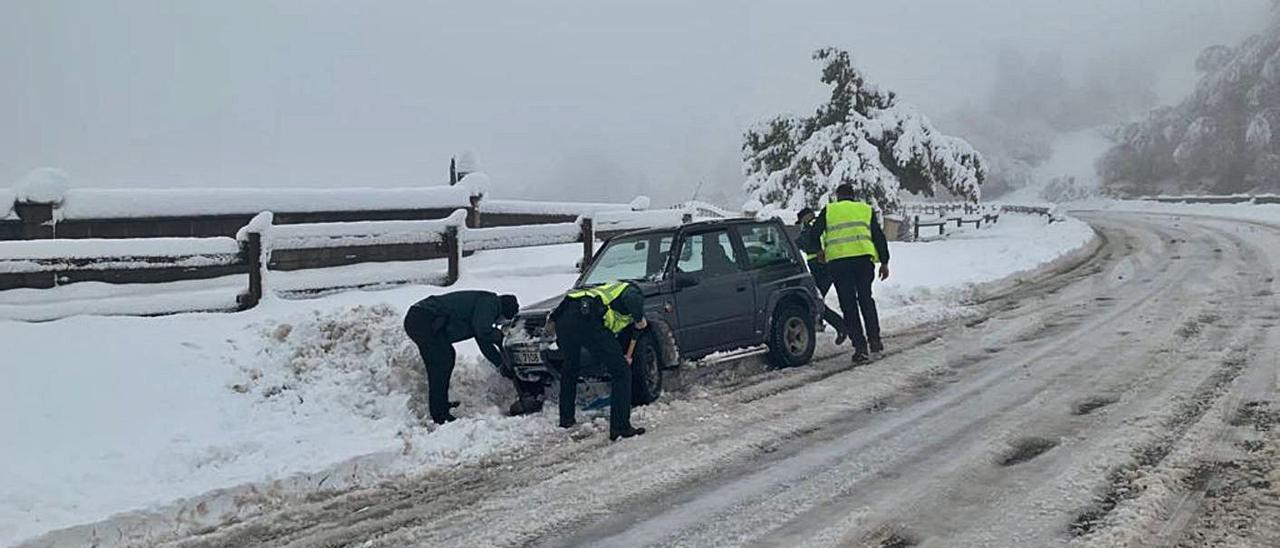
{"points": [[791, 336], [646, 372]]}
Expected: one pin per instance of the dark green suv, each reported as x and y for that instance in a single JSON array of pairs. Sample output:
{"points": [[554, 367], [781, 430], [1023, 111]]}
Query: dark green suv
{"points": [[715, 286]]}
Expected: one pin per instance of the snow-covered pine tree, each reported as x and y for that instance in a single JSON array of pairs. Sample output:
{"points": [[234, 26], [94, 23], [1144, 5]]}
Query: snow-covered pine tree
{"points": [[862, 136]]}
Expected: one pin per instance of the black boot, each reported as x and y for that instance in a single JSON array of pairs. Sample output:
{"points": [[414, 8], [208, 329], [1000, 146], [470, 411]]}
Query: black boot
{"points": [[628, 433], [841, 337], [860, 356], [443, 419], [877, 346]]}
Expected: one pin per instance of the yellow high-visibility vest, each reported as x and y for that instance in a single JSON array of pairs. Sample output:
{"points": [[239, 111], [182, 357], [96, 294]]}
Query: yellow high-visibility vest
{"points": [[614, 321], [848, 231]]}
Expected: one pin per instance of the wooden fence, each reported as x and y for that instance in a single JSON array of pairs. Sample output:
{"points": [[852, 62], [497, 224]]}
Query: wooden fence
{"points": [[262, 246]]}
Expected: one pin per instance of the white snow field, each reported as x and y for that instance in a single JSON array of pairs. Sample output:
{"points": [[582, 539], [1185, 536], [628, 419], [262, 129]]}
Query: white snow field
{"points": [[104, 415]]}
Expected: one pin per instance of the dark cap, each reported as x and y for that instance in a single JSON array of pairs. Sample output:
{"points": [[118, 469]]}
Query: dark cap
{"points": [[804, 212], [845, 191], [510, 306]]}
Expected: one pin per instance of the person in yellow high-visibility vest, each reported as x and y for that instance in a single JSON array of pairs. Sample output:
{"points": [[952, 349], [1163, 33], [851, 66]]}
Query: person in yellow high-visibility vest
{"points": [[852, 244], [590, 318]]}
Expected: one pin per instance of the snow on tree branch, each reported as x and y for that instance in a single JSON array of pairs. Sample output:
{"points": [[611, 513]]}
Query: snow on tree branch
{"points": [[862, 136]]}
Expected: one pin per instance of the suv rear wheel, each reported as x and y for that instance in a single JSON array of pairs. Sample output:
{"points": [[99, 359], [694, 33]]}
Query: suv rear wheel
{"points": [[646, 372], [791, 338]]}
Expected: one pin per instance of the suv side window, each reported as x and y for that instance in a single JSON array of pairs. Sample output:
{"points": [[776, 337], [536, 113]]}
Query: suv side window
{"points": [[708, 255], [766, 245]]}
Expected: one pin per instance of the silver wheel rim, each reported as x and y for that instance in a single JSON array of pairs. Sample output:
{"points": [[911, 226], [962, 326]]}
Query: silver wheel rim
{"points": [[796, 336]]}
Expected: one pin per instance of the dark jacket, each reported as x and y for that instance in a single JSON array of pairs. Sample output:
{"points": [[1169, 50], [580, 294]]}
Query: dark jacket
{"points": [[463, 315], [814, 234]]}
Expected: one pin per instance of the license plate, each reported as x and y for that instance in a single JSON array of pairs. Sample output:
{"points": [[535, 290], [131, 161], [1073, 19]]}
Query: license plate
{"points": [[527, 357]]}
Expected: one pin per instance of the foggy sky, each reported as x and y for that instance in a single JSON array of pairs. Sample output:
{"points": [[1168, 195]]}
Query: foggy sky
{"points": [[592, 99]]}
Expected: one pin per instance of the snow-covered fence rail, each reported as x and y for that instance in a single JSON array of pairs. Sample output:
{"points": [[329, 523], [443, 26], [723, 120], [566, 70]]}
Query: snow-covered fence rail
{"points": [[46, 264], [1259, 199], [1028, 210], [150, 213]]}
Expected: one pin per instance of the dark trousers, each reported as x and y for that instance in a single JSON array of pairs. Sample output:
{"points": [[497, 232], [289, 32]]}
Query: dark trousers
{"points": [[822, 279], [438, 357], [576, 331], [853, 277]]}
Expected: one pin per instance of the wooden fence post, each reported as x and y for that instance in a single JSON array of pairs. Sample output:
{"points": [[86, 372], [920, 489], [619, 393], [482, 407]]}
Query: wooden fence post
{"points": [[588, 241], [473, 214], [916, 228], [251, 250], [37, 220], [453, 247]]}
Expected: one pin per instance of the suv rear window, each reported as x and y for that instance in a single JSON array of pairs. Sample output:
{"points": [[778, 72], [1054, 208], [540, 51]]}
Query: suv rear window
{"points": [[708, 254], [766, 245]]}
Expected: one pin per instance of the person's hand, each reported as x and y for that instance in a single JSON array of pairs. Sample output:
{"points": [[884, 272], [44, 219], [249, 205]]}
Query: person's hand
{"points": [[822, 256], [642, 325], [884, 271]]}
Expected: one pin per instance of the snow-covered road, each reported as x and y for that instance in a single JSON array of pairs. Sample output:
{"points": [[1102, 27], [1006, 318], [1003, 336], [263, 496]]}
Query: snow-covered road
{"points": [[1130, 400]]}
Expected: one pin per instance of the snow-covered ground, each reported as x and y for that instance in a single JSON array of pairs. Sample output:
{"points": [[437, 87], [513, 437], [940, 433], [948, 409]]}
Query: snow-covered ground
{"points": [[110, 414]]}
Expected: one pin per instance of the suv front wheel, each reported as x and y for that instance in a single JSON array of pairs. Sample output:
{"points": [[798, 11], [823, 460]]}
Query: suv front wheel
{"points": [[791, 336], [646, 372]]}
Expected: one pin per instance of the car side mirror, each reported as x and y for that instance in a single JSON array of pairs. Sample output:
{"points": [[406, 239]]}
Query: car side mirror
{"points": [[684, 279]]}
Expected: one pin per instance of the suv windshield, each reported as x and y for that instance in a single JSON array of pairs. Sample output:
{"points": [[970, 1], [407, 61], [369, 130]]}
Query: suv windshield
{"points": [[638, 257]]}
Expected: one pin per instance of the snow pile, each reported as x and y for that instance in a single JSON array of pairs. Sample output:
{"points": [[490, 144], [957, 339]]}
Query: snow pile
{"points": [[937, 280], [102, 203], [504, 237], [45, 185], [320, 235], [286, 389]]}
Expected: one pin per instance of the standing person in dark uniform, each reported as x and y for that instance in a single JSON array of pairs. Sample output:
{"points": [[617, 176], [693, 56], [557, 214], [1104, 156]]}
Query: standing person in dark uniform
{"points": [[852, 242], [438, 321], [591, 318], [811, 243]]}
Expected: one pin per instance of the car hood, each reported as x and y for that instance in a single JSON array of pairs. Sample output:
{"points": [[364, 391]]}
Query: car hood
{"points": [[544, 307], [541, 308]]}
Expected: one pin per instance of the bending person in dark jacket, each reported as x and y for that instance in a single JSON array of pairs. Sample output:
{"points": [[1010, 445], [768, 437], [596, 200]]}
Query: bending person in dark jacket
{"points": [[436, 322], [811, 244]]}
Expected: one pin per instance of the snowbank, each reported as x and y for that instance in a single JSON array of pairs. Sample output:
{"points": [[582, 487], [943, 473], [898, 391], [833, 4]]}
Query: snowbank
{"points": [[98, 203], [1266, 213], [92, 426]]}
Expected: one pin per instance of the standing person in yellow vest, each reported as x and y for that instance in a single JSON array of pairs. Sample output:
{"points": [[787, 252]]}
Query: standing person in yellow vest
{"points": [[852, 243], [591, 318]]}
